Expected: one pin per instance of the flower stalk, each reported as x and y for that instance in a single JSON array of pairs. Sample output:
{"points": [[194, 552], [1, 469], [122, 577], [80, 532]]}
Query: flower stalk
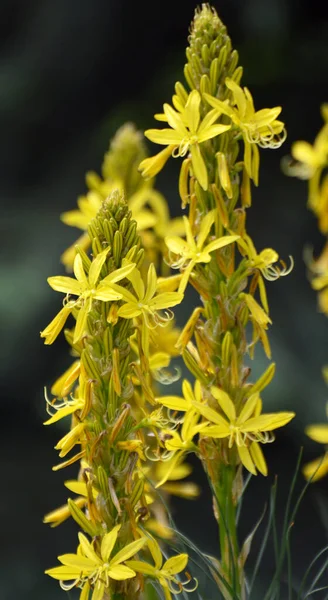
{"points": [[222, 421]]}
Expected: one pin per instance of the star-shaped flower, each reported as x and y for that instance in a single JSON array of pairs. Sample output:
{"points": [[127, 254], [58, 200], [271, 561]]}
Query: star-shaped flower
{"points": [[191, 251], [87, 288], [246, 430], [257, 127], [87, 567], [146, 303], [186, 134]]}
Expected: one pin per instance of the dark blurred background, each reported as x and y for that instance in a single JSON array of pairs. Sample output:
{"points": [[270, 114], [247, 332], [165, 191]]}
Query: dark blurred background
{"points": [[70, 74]]}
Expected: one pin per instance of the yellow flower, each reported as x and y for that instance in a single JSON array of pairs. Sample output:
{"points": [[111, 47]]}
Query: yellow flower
{"points": [[67, 406], [312, 157], [164, 573], [257, 312], [192, 252], [257, 127], [87, 566], [146, 303], [319, 467], [149, 167], [65, 382], [265, 260], [246, 430], [87, 289], [179, 444], [187, 133]]}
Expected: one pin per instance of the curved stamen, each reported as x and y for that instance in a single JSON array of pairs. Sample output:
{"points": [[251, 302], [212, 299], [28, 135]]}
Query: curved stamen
{"points": [[175, 590], [69, 586], [165, 377], [194, 586], [271, 273]]}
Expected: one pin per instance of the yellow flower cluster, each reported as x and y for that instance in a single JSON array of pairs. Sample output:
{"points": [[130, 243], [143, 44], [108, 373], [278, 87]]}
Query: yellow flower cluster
{"points": [[220, 419], [120, 172], [109, 392], [312, 164], [131, 439]]}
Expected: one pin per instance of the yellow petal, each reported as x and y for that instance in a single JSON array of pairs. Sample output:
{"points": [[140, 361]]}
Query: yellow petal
{"points": [[78, 487], [128, 551], [220, 106], [210, 414], [175, 121], [165, 300], [198, 165], [212, 132], [137, 282], [77, 561], [81, 323], [220, 243], [98, 590], [318, 433], [88, 550], [142, 567], [225, 402], [106, 293], [238, 94], [108, 542], [267, 422], [248, 408], [171, 466], [51, 332], [79, 271], [188, 392], [61, 514], [175, 564], [63, 573], [246, 459], [258, 458], [191, 111], [187, 490], [61, 413], [205, 228], [149, 167], [164, 136], [248, 157], [151, 283], [257, 311], [174, 402], [119, 573], [67, 285], [85, 591], [129, 311], [317, 468], [208, 120], [266, 116], [69, 440], [255, 164], [304, 152], [96, 266], [176, 244], [216, 431], [118, 274], [64, 383]]}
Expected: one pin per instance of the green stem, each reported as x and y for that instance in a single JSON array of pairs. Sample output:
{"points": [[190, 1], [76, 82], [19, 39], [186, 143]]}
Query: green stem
{"points": [[228, 527]]}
